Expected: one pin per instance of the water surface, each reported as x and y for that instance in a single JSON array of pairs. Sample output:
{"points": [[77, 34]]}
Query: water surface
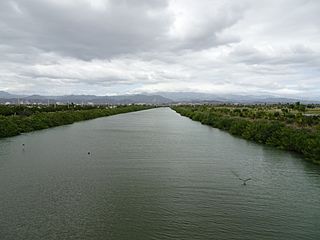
{"points": [[152, 175]]}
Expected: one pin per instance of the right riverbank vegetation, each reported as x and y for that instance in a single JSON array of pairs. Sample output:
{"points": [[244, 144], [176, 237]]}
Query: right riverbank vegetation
{"points": [[293, 127], [18, 119]]}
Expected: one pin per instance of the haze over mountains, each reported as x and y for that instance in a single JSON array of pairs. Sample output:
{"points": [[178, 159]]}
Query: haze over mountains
{"points": [[156, 98], [85, 99]]}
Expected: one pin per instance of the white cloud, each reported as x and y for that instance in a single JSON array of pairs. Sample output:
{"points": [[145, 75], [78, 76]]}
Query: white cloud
{"points": [[118, 46]]}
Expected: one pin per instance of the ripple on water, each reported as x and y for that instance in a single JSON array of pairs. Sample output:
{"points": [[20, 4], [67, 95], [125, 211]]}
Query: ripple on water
{"points": [[153, 175]]}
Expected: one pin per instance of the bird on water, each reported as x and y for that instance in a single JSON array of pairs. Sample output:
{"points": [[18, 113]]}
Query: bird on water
{"points": [[244, 180]]}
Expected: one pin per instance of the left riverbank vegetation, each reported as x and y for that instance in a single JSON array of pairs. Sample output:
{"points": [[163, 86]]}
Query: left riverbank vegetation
{"points": [[17, 119], [294, 127]]}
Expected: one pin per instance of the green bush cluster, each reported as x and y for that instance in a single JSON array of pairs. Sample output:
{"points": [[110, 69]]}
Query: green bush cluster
{"points": [[27, 110], [288, 114], [13, 125], [305, 141]]}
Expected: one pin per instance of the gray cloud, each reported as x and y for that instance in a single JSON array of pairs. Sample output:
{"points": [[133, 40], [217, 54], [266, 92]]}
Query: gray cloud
{"points": [[100, 29], [81, 29], [121, 46]]}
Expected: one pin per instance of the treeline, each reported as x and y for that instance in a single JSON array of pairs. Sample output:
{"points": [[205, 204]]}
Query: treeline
{"points": [[28, 110], [294, 114], [303, 139], [13, 125]]}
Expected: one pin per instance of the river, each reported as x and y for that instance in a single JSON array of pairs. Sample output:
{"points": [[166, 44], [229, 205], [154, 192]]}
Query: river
{"points": [[153, 174]]}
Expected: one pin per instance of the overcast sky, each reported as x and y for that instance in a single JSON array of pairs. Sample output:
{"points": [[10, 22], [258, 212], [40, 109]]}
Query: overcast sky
{"points": [[106, 47]]}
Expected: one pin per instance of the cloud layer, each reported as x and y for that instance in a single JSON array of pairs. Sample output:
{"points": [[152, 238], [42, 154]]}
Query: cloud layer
{"points": [[132, 46]]}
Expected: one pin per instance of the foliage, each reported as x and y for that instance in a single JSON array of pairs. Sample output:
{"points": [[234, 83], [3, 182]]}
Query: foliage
{"points": [[273, 126], [15, 124]]}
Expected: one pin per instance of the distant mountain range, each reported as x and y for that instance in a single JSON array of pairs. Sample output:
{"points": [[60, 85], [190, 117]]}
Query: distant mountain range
{"points": [[230, 98], [156, 98], [84, 99]]}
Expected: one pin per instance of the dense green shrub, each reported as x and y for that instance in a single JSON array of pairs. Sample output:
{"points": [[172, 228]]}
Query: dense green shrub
{"points": [[11, 125], [296, 137]]}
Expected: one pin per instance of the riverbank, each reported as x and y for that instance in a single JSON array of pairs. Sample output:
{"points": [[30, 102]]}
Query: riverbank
{"points": [[296, 136], [13, 125], [153, 175]]}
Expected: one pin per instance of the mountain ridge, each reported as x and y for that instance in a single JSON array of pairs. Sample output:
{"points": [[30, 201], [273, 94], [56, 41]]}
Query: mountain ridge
{"points": [[154, 98]]}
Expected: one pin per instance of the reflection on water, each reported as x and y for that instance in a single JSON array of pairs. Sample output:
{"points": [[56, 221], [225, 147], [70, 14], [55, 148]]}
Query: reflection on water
{"points": [[153, 175]]}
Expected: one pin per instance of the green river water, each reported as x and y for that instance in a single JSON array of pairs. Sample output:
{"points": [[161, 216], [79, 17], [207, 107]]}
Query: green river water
{"points": [[153, 175]]}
